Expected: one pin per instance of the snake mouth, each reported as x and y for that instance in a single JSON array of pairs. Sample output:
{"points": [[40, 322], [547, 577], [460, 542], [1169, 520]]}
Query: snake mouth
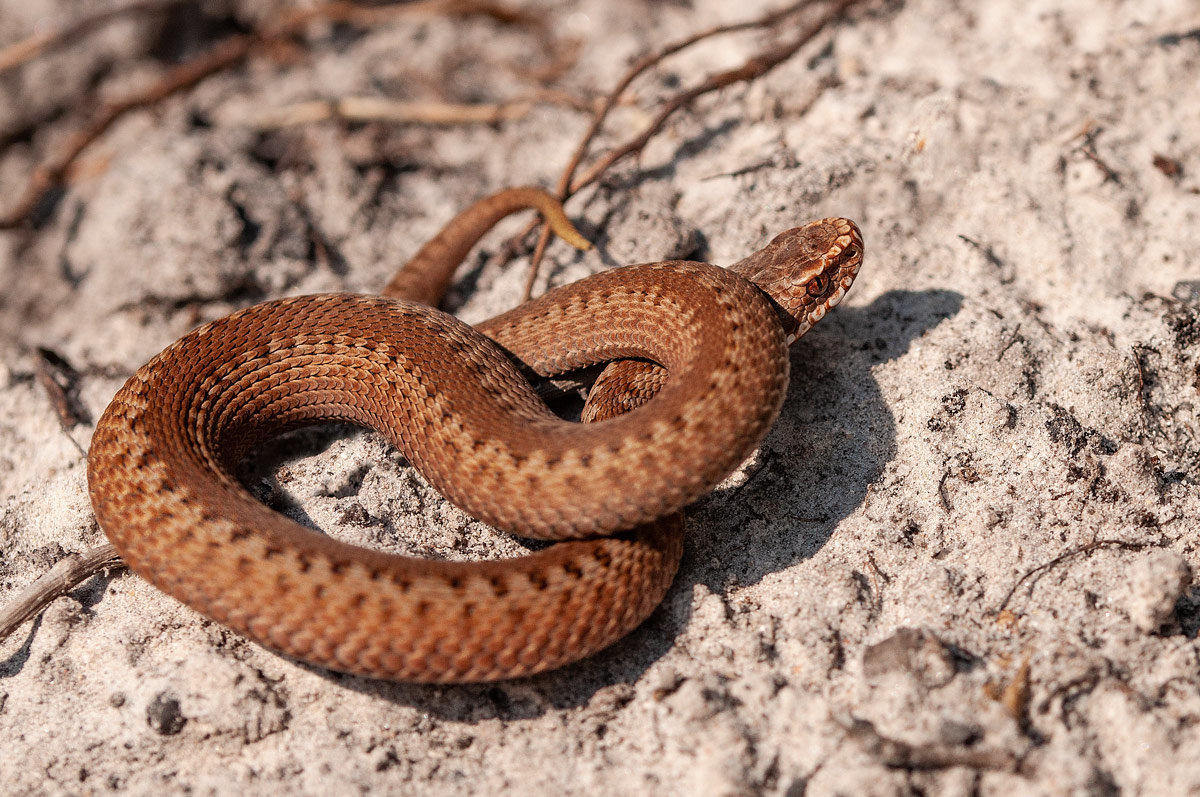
{"points": [[830, 279]]}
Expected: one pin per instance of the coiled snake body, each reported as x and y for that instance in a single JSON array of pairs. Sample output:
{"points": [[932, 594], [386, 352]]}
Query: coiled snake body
{"points": [[458, 403]]}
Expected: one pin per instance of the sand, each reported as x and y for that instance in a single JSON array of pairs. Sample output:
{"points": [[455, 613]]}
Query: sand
{"points": [[963, 561]]}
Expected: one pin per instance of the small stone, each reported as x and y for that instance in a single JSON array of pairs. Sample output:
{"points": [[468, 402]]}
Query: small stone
{"points": [[1132, 467], [916, 652], [1156, 583], [164, 715]]}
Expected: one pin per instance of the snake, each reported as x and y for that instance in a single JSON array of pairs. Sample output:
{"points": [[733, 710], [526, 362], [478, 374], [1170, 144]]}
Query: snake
{"points": [[695, 360]]}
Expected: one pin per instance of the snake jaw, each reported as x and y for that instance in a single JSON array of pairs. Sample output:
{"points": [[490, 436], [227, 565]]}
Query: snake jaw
{"points": [[806, 270]]}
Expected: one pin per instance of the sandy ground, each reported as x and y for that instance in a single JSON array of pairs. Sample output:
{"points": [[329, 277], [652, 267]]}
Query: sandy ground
{"points": [[962, 563]]}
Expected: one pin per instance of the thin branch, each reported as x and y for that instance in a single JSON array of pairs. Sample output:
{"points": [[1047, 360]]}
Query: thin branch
{"points": [[29, 48], [646, 62], [751, 70], [1084, 549], [50, 174], [69, 573], [757, 66]]}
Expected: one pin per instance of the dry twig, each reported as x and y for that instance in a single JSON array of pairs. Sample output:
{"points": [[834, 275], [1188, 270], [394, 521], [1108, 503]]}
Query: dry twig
{"points": [[754, 68], [53, 171], [1124, 545], [30, 48], [67, 574]]}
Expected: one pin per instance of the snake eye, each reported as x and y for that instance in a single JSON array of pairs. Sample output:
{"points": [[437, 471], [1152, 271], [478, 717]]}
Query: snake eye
{"points": [[818, 285]]}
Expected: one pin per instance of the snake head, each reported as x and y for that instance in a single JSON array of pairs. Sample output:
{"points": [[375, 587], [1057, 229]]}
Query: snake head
{"points": [[806, 270]]}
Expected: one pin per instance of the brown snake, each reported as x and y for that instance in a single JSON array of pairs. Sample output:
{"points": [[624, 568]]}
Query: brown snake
{"points": [[462, 410]]}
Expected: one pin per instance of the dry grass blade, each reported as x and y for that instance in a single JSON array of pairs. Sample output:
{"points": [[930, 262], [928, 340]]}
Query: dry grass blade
{"points": [[381, 109]]}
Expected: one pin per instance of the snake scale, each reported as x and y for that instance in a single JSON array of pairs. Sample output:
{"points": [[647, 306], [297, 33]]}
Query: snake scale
{"points": [[708, 343]]}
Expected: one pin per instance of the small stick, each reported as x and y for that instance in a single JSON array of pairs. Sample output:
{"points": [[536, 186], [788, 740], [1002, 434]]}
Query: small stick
{"points": [[1091, 546], [67, 574], [50, 174], [31, 47], [644, 63], [757, 66]]}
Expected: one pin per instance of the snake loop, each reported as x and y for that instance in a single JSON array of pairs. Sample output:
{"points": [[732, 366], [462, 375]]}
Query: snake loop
{"points": [[453, 399]]}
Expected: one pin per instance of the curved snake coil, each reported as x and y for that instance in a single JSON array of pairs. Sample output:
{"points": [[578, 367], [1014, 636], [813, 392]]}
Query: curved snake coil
{"points": [[456, 401]]}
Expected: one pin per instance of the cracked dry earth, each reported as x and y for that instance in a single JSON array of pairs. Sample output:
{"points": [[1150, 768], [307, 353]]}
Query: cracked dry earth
{"points": [[962, 563]]}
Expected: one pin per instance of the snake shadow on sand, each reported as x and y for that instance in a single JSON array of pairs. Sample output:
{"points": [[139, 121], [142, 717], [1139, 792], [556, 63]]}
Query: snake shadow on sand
{"points": [[832, 440]]}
